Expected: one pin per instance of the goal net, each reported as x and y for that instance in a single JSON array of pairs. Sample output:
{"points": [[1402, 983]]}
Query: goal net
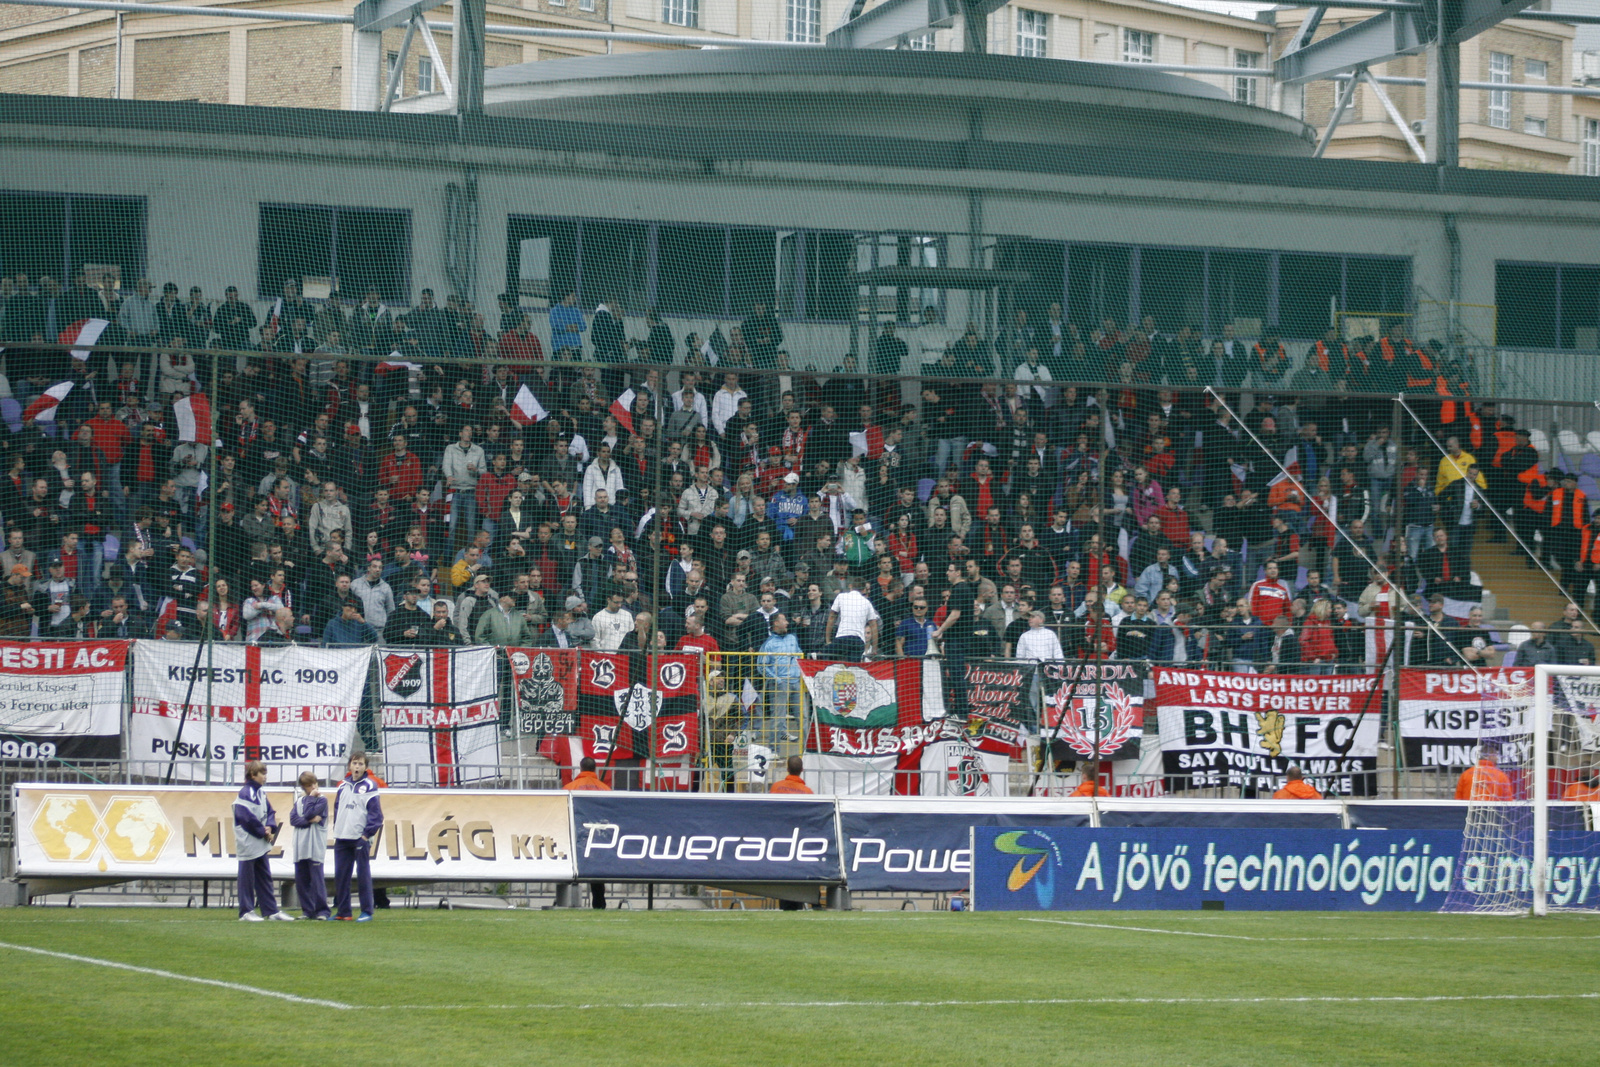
{"points": [[1529, 842]]}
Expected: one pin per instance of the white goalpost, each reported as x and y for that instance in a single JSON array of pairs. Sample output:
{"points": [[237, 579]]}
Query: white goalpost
{"points": [[1544, 681]]}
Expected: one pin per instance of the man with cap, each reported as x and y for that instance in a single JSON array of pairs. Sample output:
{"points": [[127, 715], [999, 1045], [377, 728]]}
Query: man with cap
{"points": [[590, 572], [786, 508], [53, 594], [408, 624], [858, 546]]}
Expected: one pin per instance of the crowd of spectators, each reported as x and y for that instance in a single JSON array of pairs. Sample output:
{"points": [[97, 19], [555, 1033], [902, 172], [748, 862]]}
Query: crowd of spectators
{"points": [[416, 478]]}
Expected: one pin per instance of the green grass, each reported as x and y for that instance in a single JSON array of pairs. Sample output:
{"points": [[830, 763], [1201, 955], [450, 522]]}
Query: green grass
{"points": [[749, 988]]}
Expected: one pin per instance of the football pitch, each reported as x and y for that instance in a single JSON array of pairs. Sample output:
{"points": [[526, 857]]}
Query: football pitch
{"points": [[133, 986]]}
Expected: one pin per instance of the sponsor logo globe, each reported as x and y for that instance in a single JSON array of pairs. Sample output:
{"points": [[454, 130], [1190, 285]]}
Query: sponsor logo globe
{"points": [[1037, 860]]}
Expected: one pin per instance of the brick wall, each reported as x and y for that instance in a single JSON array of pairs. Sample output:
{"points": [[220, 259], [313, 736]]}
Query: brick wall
{"points": [[181, 68], [97, 71], [46, 76], [294, 66]]}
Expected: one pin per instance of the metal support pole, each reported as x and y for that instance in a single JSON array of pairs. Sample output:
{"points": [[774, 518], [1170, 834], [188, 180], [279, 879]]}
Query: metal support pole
{"points": [[439, 69], [467, 43], [1541, 789], [1341, 101], [397, 75], [1395, 117]]}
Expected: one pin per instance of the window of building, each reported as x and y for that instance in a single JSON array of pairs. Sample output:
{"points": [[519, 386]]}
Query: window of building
{"points": [[1499, 100], [802, 20], [1535, 70], [1033, 33], [1591, 147], [1245, 89], [424, 75], [922, 42], [585, 5], [353, 247], [1138, 47], [1534, 126], [55, 235], [557, 3], [1545, 305], [390, 61], [681, 12]]}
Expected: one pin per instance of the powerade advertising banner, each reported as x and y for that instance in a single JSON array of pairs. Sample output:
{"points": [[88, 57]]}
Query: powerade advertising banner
{"points": [[1055, 869], [642, 838], [1245, 730], [926, 846], [62, 700], [293, 708], [1446, 715], [79, 831]]}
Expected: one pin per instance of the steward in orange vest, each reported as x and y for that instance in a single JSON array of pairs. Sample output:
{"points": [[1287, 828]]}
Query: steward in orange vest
{"points": [[1296, 787]]}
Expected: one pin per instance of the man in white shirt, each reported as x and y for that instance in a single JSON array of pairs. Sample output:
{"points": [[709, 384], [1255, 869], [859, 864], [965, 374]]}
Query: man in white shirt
{"points": [[698, 501], [1039, 642], [602, 474], [611, 624], [852, 624], [725, 405], [463, 462]]}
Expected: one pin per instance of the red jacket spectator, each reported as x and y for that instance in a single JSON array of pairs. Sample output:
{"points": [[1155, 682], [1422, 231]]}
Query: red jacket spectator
{"points": [[492, 492], [1316, 641], [1269, 598], [1175, 525], [521, 351], [402, 477], [111, 436]]}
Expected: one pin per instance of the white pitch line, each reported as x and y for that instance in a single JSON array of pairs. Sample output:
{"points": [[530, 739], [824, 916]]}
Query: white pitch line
{"points": [[235, 986], [1144, 929], [1040, 1002], [1279, 940]]}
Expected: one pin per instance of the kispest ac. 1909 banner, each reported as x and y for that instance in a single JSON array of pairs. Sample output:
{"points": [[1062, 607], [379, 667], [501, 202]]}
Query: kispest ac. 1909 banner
{"points": [[294, 708], [61, 700]]}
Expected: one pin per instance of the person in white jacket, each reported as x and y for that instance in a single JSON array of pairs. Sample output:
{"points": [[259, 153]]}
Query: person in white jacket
{"points": [[327, 515], [602, 474], [463, 462]]}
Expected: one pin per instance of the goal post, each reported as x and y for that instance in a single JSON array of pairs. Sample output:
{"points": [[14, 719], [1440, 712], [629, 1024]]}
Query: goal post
{"points": [[1544, 681]]}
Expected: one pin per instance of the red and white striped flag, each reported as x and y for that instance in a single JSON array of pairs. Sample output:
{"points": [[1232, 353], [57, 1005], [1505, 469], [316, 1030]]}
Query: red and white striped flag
{"points": [[43, 407], [1380, 629], [622, 409], [396, 362], [84, 332], [193, 414], [275, 314], [526, 409]]}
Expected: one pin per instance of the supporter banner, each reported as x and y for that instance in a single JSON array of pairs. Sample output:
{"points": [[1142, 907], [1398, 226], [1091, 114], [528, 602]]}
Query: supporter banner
{"points": [[620, 712], [74, 831], [1056, 869], [641, 838], [1580, 696], [440, 714], [1245, 730], [998, 711], [869, 709], [926, 846], [61, 700], [954, 767], [1446, 714], [1094, 709], [545, 681], [294, 708]]}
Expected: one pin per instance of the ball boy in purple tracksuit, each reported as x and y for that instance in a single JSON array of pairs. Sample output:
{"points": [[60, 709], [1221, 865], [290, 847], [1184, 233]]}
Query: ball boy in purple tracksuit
{"points": [[309, 817], [255, 825], [357, 815]]}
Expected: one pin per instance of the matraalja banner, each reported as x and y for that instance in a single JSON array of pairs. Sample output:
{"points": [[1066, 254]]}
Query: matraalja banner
{"points": [[61, 700], [441, 714], [1245, 730], [293, 708]]}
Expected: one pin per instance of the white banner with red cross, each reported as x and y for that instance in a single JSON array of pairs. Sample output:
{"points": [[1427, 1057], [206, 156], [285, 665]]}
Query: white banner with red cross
{"points": [[206, 710], [440, 712]]}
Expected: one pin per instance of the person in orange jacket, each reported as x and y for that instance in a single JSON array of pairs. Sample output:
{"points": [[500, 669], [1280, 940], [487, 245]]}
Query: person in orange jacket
{"points": [[1588, 790], [1296, 787], [794, 783], [1484, 780], [587, 780], [1090, 786]]}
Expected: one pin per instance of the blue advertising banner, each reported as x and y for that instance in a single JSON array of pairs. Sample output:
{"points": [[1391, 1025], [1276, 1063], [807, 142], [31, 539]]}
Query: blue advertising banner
{"points": [[1054, 869], [641, 838], [926, 849]]}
